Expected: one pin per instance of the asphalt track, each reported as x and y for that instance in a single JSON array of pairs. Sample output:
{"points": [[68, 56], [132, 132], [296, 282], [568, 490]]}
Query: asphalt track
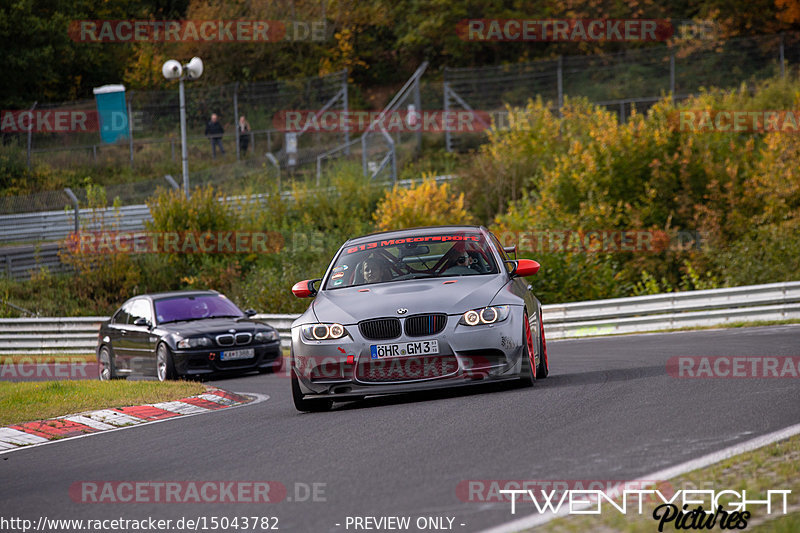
{"points": [[608, 411]]}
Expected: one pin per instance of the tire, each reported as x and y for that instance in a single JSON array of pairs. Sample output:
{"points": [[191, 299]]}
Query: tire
{"points": [[107, 370], [528, 370], [165, 366], [309, 406], [543, 370]]}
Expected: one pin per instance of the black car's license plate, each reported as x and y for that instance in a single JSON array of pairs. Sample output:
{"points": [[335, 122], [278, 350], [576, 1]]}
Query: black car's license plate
{"points": [[244, 353], [404, 349]]}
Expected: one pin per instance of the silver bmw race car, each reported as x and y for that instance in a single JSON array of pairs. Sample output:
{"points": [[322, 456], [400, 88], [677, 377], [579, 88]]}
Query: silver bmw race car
{"points": [[416, 309]]}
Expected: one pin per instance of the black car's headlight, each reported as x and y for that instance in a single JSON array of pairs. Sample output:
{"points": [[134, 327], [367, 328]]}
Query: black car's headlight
{"points": [[321, 332], [194, 342], [484, 315], [267, 336]]}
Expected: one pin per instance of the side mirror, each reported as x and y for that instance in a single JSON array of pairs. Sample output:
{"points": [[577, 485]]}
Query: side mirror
{"points": [[251, 313], [511, 250], [305, 289], [141, 322], [524, 267]]}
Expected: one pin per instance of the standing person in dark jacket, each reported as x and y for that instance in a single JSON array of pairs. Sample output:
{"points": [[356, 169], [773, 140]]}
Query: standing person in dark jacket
{"points": [[214, 132], [244, 135]]}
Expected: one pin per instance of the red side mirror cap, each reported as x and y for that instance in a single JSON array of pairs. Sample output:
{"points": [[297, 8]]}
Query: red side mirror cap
{"points": [[526, 267], [304, 289]]}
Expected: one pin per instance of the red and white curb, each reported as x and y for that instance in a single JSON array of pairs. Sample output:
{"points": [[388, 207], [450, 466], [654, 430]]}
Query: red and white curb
{"points": [[18, 436]]}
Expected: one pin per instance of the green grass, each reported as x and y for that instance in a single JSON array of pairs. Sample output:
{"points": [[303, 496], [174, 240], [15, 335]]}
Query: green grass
{"points": [[29, 401], [771, 467]]}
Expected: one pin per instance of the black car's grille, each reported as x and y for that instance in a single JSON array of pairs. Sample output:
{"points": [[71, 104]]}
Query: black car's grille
{"points": [[421, 325], [225, 340], [228, 339], [406, 368], [380, 329]]}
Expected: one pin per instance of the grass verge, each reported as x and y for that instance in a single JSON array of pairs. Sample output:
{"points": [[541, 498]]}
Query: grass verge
{"points": [[29, 401], [772, 467]]}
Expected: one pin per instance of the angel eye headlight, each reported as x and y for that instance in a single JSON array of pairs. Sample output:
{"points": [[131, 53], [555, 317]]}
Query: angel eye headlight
{"points": [[194, 342], [321, 332], [485, 315]]}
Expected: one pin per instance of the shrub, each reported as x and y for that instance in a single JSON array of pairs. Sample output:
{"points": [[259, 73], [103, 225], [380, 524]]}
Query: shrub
{"points": [[427, 204]]}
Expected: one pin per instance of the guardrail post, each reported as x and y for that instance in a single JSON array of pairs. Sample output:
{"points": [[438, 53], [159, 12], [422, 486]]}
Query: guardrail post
{"points": [[75, 205]]}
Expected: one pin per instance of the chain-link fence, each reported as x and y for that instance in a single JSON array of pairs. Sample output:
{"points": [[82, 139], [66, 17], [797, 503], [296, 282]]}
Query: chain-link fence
{"points": [[154, 133], [621, 81]]}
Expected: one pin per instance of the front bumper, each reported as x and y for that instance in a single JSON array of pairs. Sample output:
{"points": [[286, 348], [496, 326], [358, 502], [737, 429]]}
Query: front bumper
{"points": [[207, 360], [344, 368]]}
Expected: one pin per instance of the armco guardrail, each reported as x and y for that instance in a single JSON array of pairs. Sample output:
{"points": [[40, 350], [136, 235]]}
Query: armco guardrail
{"points": [[660, 312]]}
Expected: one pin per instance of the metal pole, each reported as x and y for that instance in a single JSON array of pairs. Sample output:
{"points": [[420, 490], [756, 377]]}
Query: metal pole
{"points": [[345, 107], [672, 75], [76, 205], [184, 150], [448, 141], [236, 116], [560, 83], [130, 129], [30, 135], [364, 153], [418, 105]]}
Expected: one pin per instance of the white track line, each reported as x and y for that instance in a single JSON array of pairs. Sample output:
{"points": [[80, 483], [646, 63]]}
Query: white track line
{"points": [[536, 519], [258, 399]]}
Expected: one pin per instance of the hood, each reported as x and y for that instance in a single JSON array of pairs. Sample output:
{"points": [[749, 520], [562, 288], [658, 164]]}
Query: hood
{"points": [[212, 326], [348, 306]]}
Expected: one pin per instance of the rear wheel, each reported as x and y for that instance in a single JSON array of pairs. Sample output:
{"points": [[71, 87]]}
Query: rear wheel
{"points": [[528, 371], [301, 404], [105, 360], [165, 367], [543, 369]]}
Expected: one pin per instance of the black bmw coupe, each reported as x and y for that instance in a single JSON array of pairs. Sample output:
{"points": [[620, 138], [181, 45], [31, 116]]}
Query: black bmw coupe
{"points": [[184, 333]]}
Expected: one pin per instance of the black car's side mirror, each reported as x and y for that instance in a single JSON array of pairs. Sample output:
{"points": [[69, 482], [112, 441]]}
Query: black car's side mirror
{"points": [[251, 313], [141, 322]]}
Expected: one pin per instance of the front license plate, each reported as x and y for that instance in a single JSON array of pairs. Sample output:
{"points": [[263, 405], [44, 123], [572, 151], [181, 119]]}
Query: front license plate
{"points": [[244, 353], [404, 349]]}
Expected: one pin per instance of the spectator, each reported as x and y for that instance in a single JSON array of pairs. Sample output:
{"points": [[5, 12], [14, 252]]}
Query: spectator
{"points": [[214, 132], [244, 135]]}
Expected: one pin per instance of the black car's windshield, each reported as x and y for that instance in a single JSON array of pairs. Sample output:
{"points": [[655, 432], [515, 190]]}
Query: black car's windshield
{"points": [[412, 257], [195, 307]]}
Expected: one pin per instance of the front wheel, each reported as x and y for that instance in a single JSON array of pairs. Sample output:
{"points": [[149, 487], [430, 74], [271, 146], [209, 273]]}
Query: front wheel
{"points": [[165, 367], [528, 370], [301, 404], [543, 370], [106, 371]]}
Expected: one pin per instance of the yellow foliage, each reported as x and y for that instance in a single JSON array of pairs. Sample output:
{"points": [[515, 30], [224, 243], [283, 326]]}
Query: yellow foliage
{"points": [[427, 204]]}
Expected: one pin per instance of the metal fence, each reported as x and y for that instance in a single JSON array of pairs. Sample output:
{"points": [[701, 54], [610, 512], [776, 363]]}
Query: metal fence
{"points": [[621, 81], [660, 312], [155, 125]]}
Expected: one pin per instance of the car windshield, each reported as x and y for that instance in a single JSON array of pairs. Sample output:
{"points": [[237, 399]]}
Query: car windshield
{"points": [[195, 307], [413, 257]]}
